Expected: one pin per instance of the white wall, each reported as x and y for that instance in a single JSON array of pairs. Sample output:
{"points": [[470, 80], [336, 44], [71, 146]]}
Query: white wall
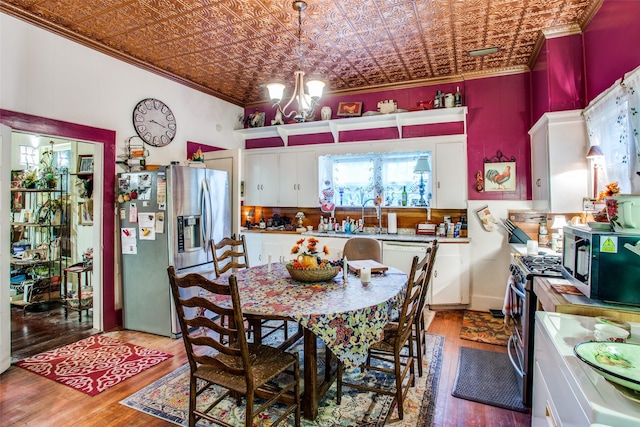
{"points": [[49, 76], [490, 256]]}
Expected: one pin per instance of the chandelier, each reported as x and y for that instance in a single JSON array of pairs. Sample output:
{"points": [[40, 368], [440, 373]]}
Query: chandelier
{"points": [[306, 102]]}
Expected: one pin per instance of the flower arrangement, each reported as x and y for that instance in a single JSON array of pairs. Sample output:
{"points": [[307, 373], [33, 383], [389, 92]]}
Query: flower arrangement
{"points": [[309, 255], [310, 248], [29, 178], [48, 171], [610, 210], [612, 190]]}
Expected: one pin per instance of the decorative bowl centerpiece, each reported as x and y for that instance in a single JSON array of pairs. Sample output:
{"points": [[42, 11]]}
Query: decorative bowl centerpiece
{"points": [[320, 274], [308, 265]]}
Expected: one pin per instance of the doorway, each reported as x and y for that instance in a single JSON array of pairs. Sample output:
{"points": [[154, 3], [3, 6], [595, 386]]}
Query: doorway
{"points": [[57, 220], [104, 171]]}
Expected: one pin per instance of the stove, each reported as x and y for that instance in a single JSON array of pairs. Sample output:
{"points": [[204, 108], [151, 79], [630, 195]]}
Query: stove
{"points": [[524, 268], [524, 304]]}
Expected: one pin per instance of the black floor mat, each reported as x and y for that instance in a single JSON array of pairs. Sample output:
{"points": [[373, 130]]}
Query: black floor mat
{"points": [[487, 377]]}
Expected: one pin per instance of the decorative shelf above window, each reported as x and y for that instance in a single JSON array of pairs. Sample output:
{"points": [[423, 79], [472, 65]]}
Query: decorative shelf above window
{"points": [[413, 124]]}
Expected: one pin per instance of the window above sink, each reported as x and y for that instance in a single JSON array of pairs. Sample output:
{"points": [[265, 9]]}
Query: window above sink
{"points": [[356, 179]]}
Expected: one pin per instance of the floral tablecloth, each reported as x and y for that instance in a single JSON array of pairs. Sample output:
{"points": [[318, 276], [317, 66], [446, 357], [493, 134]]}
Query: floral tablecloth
{"points": [[347, 317]]}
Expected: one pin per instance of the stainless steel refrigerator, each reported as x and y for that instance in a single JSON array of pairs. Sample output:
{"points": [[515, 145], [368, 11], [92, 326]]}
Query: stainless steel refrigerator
{"points": [[171, 216]]}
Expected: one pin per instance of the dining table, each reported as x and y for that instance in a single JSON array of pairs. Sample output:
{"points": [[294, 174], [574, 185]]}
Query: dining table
{"points": [[347, 315]]}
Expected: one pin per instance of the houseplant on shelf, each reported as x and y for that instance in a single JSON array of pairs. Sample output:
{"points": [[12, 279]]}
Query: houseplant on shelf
{"points": [[29, 178], [48, 172]]}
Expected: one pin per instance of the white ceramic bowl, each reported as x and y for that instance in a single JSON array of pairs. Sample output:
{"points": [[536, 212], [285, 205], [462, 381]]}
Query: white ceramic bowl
{"points": [[611, 333]]}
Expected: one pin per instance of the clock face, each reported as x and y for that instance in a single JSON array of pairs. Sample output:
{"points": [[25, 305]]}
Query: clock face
{"points": [[154, 122]]}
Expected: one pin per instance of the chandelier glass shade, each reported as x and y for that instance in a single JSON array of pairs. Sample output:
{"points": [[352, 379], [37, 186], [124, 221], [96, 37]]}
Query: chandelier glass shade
{"points": [[306, 101]]}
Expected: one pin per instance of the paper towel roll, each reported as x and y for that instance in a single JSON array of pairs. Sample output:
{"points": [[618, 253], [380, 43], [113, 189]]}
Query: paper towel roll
{"points": [[392, 223]]}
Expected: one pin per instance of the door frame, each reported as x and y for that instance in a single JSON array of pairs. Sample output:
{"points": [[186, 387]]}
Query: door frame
{"points": [[111, 317]]}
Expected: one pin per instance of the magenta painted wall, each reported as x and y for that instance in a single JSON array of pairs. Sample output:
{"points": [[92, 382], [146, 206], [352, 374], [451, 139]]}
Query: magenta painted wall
{"points": [[557, 77], [612, 44], [498, 120]]}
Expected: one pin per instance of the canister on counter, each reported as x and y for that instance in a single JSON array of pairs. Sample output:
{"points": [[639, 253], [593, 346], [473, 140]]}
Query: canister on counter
{"points": [[543, 234]]}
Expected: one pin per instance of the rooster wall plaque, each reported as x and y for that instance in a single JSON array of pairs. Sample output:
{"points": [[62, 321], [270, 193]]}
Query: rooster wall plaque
{"points": [[500, 173]]}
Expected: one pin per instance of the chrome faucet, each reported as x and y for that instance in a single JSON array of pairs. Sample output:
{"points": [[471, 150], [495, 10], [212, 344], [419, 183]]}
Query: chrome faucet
{"points": [[378, 214]]}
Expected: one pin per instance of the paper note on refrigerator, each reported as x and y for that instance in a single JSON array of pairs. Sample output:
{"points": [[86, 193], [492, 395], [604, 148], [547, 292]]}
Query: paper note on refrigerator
{"points": [[147, 225], [128, 241]]}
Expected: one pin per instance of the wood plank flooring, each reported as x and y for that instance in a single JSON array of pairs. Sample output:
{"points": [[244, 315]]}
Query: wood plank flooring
{"points": [[29, 399], [44, 327]]}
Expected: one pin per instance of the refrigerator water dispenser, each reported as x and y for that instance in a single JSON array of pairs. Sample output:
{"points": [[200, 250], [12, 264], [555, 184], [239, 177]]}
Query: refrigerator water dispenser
{"points": [[189, 233]]}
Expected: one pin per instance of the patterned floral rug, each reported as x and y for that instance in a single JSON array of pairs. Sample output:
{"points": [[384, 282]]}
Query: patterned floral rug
{"points": [[168, 398], [483, 327], [93, 364]]}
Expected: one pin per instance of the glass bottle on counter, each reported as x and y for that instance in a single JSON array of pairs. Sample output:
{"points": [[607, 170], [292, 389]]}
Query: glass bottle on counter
{"points": [[543, 234], [405, 196]]}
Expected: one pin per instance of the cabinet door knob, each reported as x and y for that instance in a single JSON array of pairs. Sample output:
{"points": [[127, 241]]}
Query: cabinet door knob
{"points": [[435, 273], [538, 182]]}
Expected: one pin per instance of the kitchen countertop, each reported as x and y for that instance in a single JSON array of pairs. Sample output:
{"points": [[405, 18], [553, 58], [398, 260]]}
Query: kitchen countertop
{"points": [[418, 238], [521, 248], [401, 237], [552, 300]]}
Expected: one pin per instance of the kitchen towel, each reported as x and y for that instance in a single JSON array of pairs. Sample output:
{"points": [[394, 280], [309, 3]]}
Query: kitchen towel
{"points": [[392, 223]]}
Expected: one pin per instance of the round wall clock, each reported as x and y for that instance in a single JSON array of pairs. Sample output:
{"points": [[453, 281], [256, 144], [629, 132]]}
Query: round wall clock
{"points": [[154, 122]]}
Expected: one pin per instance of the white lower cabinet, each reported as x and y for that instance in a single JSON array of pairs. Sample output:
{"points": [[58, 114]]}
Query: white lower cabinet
{"points": [[261, 246], [450, 277], [254, 248]]}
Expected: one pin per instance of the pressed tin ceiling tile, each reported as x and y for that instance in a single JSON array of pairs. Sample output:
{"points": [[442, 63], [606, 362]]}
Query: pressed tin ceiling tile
{"points": [[231, 48]]}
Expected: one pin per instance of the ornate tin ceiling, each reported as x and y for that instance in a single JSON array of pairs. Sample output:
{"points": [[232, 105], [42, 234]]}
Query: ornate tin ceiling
{"points": [[231, 48]]}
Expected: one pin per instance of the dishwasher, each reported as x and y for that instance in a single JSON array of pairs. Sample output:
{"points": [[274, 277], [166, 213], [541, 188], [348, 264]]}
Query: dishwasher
{"points": [[400, 254]]}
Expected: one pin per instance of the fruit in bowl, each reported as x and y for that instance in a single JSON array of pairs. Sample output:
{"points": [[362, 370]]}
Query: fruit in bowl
{"points": [[324, 271]]}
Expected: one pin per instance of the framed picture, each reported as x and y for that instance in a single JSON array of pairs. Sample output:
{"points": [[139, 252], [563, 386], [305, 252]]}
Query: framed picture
{"points": [[500, 176], [349, 109], [85, 213], [85, 164]]}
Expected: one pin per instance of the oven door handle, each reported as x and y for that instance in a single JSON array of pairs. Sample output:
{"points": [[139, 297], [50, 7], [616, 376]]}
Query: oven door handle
{"points": [[518, 292], [516, 366]]}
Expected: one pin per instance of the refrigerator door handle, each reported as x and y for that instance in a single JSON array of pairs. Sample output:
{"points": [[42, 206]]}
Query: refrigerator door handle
{"points": [[205, 211]]}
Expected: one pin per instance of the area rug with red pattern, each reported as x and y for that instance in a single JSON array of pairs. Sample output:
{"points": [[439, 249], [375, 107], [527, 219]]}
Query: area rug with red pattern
{"points": [[483, 327], [93, 364]]}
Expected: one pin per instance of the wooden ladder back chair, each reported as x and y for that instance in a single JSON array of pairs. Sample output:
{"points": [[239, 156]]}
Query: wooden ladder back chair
{"points": [[235, 256], [397, 336], [243, 369], [420, 333], [359, 248], [234, 249]]}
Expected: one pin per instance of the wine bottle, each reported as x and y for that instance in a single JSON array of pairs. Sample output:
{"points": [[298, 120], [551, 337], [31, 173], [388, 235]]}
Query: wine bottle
{"points": [[404, 196], [457, 98]]}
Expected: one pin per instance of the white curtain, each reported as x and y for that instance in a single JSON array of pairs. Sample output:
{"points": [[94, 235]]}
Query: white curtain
{"points": [[631, 84], [608, 125]]}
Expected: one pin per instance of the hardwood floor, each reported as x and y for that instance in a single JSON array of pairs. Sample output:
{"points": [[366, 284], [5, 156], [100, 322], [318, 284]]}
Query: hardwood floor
{"points": [[29, 399], [44, 327]]}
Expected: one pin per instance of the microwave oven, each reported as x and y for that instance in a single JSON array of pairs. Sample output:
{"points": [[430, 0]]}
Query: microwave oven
{"points": [[602, 265]]}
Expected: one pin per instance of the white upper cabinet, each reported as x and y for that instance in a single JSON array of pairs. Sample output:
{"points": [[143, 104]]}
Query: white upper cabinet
{"points": [[261, 180], [559, 173], [450, 176], [298, 179]]}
